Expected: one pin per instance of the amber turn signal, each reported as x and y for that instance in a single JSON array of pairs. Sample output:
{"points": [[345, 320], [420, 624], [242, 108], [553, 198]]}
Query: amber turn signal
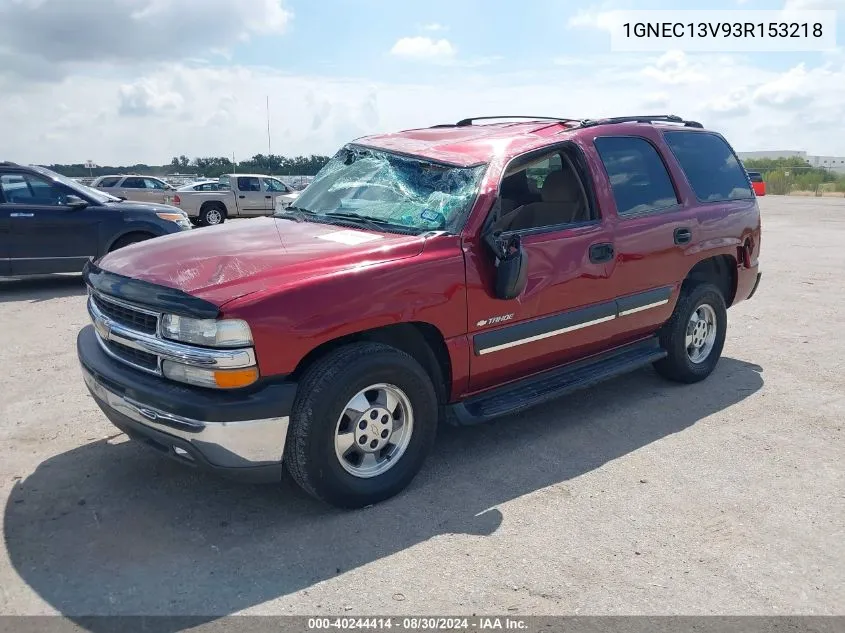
{"points": [[234, 378]]}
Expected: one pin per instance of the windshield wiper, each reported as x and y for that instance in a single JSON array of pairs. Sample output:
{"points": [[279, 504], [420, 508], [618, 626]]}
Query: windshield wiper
{"points": [[297, 213], [374, 224]]}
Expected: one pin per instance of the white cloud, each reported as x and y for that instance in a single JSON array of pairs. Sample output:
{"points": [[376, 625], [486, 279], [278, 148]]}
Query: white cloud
{"points": [[434, 26], [54, 37], [814, 5], [595, 19], [735, 103], [146, 97], [789, 90], [423, 48], [675, 67]]}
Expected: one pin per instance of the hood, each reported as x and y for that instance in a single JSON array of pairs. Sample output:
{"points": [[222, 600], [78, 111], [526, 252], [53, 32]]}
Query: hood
{"points": [[221, 263]]}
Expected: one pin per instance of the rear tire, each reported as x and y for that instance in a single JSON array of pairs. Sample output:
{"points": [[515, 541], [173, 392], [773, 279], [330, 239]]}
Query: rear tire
{"points": [[132, 238], [354, 403], [212, 215], [695, 335]]}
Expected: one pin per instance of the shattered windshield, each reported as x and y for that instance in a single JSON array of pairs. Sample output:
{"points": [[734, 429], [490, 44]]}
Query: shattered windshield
{"points": [[389, 189]]}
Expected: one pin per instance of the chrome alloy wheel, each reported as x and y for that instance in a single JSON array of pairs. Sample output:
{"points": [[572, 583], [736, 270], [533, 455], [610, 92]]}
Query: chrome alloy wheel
{"points": [[213, 216], [701, 333], [374, 430]]}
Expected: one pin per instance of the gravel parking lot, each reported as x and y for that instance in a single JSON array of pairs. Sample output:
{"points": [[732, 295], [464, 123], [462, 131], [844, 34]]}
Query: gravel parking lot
{"points": [[635, 497]]}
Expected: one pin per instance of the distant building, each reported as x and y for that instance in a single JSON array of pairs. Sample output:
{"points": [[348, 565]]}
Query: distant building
{"points": [[787, 153], [833, 163]]}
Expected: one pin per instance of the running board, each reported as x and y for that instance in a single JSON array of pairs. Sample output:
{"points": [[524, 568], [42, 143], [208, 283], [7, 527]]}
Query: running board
{"points": [[549, 385]]}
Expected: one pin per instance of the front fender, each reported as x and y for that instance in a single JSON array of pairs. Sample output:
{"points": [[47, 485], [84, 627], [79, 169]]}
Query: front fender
{"points": [[290, 322]]}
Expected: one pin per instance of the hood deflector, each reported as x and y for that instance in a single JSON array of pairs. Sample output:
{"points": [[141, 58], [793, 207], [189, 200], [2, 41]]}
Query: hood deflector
{"points": [[147, 294]]}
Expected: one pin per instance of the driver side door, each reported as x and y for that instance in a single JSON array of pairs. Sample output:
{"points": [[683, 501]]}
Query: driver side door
{"points": [[251, 196], [566, 309], [47, 236], [273, 188]]}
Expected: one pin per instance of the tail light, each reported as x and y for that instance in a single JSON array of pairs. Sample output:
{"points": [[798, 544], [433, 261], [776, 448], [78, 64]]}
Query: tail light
{"points": [[177, 200]]}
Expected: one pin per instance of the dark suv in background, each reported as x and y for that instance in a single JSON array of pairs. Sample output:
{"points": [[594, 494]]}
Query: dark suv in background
{"points": [[52, 224]]}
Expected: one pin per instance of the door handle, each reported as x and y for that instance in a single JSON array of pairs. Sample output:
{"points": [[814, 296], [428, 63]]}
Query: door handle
{"points": [[601, 253], [241, 197], [268, 197], [21, 215], [682, 235]]}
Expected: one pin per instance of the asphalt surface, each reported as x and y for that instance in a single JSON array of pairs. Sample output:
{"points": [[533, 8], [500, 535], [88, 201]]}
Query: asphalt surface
{"points": [[634, 497]]}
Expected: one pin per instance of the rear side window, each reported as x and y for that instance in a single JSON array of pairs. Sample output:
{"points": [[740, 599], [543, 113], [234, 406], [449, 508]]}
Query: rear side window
{"points": [[638, 177], [246, 183], [710, 165], [134, 183], [108, 182]]}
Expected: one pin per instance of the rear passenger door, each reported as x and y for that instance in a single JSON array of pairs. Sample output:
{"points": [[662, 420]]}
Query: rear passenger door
{"points": [[653, 229], [251, 199], [133, 188]]}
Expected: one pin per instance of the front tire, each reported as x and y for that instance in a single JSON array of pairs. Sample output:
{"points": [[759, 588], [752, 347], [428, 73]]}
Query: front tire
{"points": [[363, 422], [695, 335]]}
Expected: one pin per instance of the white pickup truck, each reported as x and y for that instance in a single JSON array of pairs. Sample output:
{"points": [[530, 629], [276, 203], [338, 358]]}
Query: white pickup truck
{"points": [[237, 196]]}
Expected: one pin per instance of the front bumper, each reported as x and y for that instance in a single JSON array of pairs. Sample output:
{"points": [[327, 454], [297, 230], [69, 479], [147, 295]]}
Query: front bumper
{"points": [[238, 434]]}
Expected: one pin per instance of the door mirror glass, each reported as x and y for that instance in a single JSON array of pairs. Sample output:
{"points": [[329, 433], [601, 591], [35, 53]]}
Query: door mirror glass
{"points": [[511, 265]]}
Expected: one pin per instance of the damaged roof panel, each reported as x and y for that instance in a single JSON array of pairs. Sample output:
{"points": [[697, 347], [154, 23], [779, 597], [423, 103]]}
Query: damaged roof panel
{"points": [[467, 145]]}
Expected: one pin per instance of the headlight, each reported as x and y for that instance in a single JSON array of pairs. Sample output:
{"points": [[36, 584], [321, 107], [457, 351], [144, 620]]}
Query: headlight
{"points": [[206, 332], [179, 218], [173, 217], [214, 378]]}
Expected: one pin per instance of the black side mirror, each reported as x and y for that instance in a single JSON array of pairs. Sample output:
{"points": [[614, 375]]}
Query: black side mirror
{"points": [[75, 202], [511, 265]]}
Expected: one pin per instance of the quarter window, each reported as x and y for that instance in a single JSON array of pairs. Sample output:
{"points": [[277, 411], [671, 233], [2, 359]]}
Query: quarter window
{"points": [[710, 165], [638, 178]]}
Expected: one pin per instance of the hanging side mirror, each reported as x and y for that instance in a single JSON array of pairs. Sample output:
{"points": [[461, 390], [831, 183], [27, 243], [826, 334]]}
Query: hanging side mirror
{"points": [[511, 265]]}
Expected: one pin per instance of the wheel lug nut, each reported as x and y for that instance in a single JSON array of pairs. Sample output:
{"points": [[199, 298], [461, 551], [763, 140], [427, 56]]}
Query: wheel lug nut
{"points": [[384, 433], [362, 425], [384, 419], [374, 443], [373, 415], [363, 439]]}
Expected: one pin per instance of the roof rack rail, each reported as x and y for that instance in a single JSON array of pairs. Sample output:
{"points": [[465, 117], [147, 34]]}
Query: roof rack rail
{"points": [[668, 118], [467, 122]]}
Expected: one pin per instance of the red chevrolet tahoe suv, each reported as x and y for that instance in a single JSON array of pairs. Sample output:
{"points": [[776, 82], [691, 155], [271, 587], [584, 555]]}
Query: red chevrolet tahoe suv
{"points": [[455, 274]]}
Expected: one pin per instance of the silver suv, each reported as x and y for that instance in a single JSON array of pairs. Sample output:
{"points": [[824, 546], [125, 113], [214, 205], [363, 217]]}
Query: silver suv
{"points": [[139, 188]]}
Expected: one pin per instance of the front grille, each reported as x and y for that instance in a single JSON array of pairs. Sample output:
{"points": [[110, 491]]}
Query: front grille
{"points": [[133, 356], [119, 313]]}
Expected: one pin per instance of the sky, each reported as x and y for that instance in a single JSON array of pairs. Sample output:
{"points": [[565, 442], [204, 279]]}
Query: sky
{"points": [[121, 82]]}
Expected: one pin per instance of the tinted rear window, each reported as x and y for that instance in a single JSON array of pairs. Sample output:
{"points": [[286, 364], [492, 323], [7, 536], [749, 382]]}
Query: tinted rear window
{"points": [[108, 182], [638, 177], [711, 167]]}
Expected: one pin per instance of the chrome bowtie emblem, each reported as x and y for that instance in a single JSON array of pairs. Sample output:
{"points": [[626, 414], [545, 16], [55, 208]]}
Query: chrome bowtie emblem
{"points": [[103, 328]]}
